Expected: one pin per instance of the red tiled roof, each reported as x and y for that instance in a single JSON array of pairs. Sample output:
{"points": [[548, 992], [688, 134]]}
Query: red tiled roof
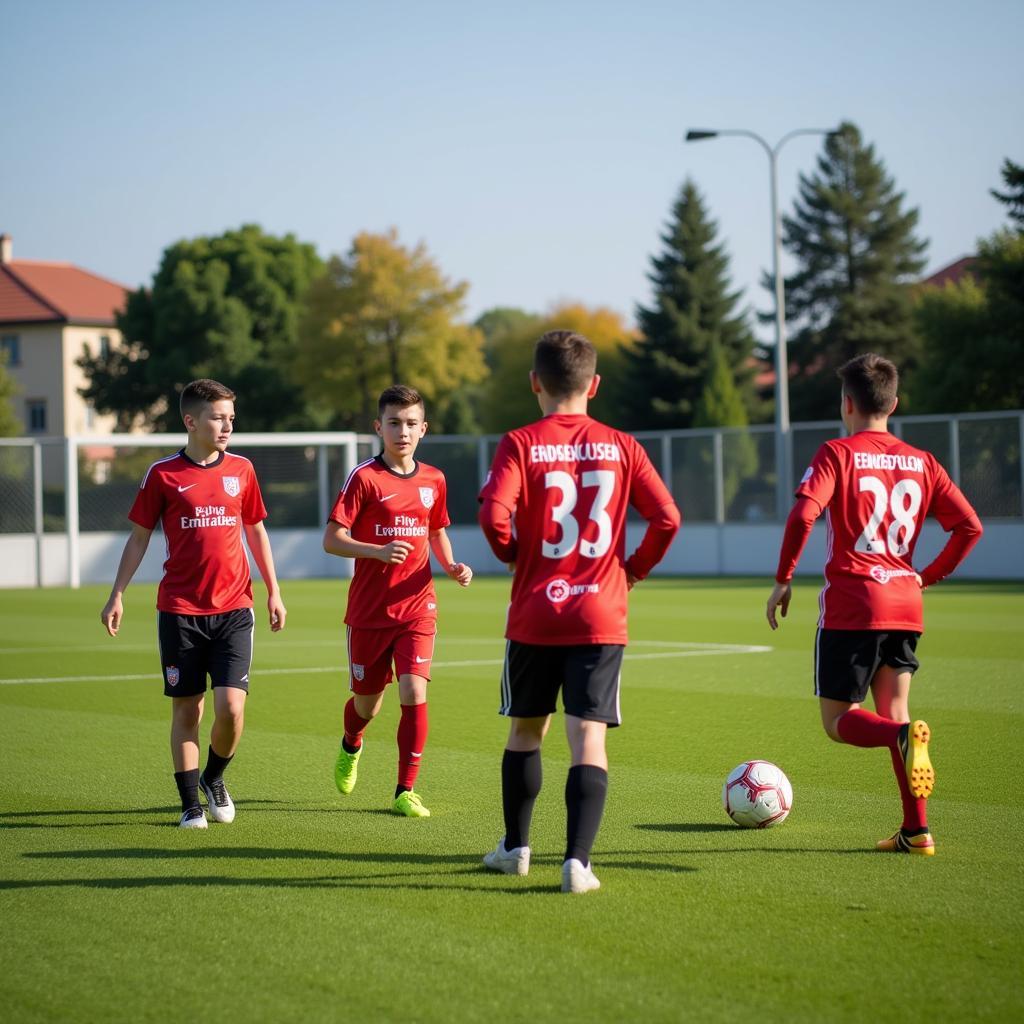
{"points": [[37, 291], [952, 274]]}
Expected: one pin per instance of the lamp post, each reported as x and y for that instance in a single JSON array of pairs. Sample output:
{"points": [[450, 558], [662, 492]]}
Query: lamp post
{"points": [[782, 439]]}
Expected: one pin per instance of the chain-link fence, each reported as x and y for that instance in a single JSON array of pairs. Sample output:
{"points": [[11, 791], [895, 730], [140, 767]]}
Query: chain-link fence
{"points": [[725, 475]]}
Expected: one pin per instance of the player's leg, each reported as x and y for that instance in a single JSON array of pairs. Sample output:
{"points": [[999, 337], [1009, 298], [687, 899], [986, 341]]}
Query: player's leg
{"points": [[184, 672], [910, 760], [230, 660], [530, 679], [413, 653], [369, 661], [591, 696], [413, 726]]}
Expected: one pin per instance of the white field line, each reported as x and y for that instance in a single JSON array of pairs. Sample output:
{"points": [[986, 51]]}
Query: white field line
{"points": [[684, 650]]}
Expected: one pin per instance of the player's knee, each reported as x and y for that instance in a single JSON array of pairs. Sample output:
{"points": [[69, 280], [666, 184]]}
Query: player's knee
{"points": [[187, 714]]}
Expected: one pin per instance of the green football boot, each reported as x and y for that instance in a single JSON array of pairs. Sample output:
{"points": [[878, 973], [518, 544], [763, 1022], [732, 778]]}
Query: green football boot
{"points": [[409, 805], [346, 770]]}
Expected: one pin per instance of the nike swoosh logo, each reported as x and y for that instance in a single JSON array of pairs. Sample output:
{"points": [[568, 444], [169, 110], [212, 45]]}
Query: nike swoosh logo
{"points": [[419, 660], [182, 490], [388, 497]]}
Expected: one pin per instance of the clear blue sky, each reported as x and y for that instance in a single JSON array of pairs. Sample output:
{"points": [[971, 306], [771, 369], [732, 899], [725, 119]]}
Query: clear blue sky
{"points": [[536, 148]]}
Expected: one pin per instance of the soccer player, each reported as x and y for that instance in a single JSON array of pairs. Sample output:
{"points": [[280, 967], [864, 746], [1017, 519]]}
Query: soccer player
{"points": [[875, 492], [391, 510], [205, 499], [554, 508]]}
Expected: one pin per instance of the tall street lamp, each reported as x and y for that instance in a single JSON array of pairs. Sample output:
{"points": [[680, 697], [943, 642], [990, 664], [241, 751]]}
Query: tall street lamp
{"points": [[782, 441]]}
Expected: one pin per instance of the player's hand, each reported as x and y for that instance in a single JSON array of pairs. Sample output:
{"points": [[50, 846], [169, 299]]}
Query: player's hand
{"points": [[511, 568], [278, 613], [111, 615], [779, 598], [920, 582], [461, 573], [395, 552], [631, 580]]}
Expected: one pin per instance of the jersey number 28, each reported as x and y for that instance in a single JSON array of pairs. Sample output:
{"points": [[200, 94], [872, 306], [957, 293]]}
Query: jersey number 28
{"points": [[904, 502], [568, 529]]}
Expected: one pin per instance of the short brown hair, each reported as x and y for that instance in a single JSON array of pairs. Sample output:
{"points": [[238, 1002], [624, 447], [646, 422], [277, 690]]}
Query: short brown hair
{"points": [[565, 363], [401, 395], [201, 391], [871, 381]]}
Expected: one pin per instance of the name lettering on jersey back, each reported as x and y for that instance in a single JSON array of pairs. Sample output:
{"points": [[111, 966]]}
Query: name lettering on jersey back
{"points": [[402, 526], [589, 451], [208, 515], [883, 460]]}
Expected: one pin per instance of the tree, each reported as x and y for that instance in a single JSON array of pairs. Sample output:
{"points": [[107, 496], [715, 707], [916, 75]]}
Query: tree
{"points": [[857, 252], [507, 400], [227, 307], [693, 311], [10, 425], [385, 314], [972, 334], [1013, 197]]}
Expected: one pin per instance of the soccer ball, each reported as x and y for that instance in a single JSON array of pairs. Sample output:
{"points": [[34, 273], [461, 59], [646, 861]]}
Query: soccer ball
{"points": [[757, 794]]}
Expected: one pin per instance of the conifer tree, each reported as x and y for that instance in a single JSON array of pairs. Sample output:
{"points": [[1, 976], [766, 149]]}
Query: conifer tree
{"points": [[1013, 197], [693, 310], [856, 250]]}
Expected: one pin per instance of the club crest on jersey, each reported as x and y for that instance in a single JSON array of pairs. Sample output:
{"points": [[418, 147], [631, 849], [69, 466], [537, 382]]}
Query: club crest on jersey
{"points": [[231, 485], [173, 675], [427, 497], [358, 671]]}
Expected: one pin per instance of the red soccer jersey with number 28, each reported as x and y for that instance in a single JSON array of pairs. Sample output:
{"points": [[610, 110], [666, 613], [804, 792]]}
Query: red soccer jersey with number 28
{"points": [[202, 510], [568, 480], [876, 492]]}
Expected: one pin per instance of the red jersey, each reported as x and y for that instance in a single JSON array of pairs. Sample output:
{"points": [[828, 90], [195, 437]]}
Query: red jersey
{"points": [[378, 505], [567, 481], [202, 510], [876, 492]]}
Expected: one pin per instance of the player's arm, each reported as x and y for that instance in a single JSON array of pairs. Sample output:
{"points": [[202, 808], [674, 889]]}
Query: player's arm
{"points": [[662, 526], [258, 539], [958, 518], [441, 545], [131, 558], [799, 524], [339, 541]]}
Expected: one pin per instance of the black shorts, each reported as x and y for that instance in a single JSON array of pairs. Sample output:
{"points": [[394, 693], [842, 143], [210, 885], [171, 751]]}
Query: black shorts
{"points": [[587, 674], [846, 660], [194, 646]]}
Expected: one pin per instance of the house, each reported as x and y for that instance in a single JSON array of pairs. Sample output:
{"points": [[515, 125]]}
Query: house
{"points": [[50, 313]]}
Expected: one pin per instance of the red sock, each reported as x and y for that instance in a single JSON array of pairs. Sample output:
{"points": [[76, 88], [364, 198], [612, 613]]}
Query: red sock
{"points": [[412, 738], [355, 724], [915, 811], [862, 728]]}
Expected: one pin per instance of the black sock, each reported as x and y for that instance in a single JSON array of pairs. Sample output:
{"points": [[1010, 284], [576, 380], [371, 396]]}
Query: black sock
{"points": [[521, 778], [188, 788], [399, 790], [215, 765], [585, 790], [349, 749]]}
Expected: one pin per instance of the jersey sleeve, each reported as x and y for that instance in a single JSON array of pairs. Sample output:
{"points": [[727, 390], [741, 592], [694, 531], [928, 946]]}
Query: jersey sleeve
{"points": [[653, 500], [819, 481], [948, 504], [799, 524], [148, 506], [439, 517], [498, 498], [253, 509], [350, 500]]}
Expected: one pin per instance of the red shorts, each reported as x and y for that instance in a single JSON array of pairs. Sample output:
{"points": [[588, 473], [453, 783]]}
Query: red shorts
{"points": [[371, 652]]}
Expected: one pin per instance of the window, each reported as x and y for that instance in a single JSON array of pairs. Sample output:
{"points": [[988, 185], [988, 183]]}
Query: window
{"points": [[36, 411], [104, 346], [10, 346]]}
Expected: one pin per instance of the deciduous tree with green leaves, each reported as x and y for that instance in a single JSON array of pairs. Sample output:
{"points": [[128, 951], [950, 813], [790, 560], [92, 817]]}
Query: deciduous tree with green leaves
{"points": [[10, 425], [507, 401], [693, 310], [857, 254], [385, 314], [227, 307]]}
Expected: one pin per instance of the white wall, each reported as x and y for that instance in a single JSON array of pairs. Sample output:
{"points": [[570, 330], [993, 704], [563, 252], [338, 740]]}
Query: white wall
{"points": [[700, 549]]}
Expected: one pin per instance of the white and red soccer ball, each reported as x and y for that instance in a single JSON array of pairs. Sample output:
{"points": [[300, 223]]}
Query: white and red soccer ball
{"points": [[757, 794]]}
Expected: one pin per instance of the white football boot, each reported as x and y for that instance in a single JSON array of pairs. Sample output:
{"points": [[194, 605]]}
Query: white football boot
{"points": [[577, 878], [509, 862]]}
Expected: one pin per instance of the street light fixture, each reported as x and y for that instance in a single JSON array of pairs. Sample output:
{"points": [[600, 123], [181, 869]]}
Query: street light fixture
{"points": [[782, 438]]}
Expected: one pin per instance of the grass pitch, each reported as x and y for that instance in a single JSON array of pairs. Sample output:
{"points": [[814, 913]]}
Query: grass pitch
{"points": [[315, 907]]}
